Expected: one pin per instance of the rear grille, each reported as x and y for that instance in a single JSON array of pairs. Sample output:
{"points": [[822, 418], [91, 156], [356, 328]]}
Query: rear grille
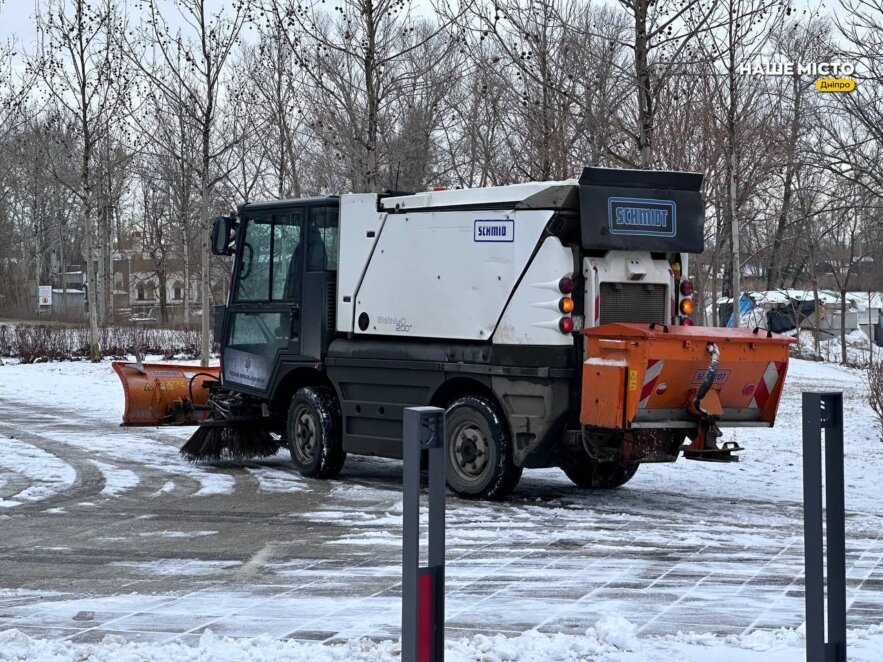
{"points": [[633, 302]]}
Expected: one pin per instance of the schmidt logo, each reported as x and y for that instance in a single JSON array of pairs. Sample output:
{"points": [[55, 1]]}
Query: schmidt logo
{"points": [[642, 216], [502, 230]]}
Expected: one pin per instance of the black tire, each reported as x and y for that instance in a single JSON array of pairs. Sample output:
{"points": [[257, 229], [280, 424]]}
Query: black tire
{"points": [[314, 433], [586, 472], [479, 450]]}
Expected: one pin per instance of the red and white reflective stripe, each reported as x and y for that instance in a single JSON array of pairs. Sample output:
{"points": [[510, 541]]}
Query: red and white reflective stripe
{"points": [[654, 369], [766, 385]]}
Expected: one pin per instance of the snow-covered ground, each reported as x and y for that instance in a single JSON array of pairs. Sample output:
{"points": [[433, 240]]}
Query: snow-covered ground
{"points": [[111, 548]]}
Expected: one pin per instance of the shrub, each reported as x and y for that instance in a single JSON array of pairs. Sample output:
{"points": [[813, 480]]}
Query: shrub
{"points": [[37, 343]]}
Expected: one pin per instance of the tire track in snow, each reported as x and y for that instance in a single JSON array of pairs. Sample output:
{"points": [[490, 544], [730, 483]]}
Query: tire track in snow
{"points": [[53, 478], [34, 475], [150, 454]]}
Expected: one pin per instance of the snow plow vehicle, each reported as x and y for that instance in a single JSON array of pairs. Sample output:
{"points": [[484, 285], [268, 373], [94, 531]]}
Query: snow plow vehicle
{"points": [[550, 319]]}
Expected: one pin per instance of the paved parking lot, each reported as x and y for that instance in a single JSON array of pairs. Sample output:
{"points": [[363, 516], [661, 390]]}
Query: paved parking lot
{"points": [[104, 530]]}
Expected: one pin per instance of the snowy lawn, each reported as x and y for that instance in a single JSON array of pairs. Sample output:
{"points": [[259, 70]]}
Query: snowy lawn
{"points": [[696, 561]]}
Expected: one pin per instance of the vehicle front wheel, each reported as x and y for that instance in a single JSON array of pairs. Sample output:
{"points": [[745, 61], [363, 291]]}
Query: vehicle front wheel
{"points": [[479, 450], [586, 472], [314, 433]]}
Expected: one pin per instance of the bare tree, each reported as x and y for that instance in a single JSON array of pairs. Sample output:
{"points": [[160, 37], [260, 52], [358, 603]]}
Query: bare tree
{"points": [[737, 37], [83, 69], [664, 37], [846, 248], [796, 42], [189, 72], [361, 60], [276, 104]]}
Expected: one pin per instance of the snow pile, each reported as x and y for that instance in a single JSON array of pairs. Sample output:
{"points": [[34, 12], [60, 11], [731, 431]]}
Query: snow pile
{"points": [[612, 638], [830, 348]]}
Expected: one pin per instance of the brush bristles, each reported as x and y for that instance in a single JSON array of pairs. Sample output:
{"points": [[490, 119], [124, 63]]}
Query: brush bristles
{"points": [[215, 443]]}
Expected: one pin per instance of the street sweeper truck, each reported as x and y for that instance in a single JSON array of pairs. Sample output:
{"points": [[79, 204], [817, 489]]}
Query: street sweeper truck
{"points": [[550, 319]]}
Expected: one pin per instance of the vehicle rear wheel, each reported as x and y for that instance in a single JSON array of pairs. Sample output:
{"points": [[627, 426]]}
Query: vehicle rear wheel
{"points": [[586, 472], [314, 433], [479, 450]]}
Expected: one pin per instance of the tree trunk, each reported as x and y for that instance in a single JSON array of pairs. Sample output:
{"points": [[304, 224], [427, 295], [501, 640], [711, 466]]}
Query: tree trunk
{"points": [[62, 266], [734, 242], [733, 187], [91, 281], [845, 359], [205, 282], [86, 192], [101, 276], [870, 332], [38, 265], [109, 268], [642, 79], [774, 273], [186, 276], [163, 293], [817, 313], [715, 318], [368, 64]]}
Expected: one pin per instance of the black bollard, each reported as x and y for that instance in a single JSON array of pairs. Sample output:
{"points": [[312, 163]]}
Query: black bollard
{"points": [[423, 587], [824, 411]]}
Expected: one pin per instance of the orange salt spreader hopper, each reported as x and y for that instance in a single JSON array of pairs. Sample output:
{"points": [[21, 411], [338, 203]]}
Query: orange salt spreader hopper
{"points": [[167, 394], [639, 376]]}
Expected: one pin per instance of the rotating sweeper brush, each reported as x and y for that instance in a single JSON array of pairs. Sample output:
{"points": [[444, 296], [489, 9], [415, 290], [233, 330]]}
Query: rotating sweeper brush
{"points": [[230, 426], [215, 441], [234, 431]]}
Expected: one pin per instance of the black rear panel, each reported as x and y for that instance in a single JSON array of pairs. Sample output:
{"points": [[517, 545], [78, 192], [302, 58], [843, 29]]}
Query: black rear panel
{"points": [[641, 210]]}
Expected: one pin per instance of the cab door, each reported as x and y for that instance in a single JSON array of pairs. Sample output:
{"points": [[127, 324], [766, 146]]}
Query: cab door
{"points": [[265, 309]]}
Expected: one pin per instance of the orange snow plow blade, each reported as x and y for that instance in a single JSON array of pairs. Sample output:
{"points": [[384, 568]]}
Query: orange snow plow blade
{"points": [[637, 376], [158, 394]]}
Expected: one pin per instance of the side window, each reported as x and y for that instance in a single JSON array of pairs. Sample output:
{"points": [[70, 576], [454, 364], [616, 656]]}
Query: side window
{"points": [[260, 333], [287, 256], [254, 272], [322, 239]]}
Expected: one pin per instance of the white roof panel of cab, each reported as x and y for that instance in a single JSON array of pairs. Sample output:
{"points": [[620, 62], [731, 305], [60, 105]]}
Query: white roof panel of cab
{"points": [[464, 197]]}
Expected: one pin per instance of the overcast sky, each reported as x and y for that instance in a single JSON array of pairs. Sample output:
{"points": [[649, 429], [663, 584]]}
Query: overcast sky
{"points": [[17, 16]]}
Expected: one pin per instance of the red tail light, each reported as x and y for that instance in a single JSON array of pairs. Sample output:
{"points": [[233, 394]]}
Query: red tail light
{"points": [[687, 288], [686, 321], [566, 325], [566, 285]]}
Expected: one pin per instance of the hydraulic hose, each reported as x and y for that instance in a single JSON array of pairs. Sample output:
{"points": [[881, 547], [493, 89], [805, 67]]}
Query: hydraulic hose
{"points": [[708, 381], [193, 378]]}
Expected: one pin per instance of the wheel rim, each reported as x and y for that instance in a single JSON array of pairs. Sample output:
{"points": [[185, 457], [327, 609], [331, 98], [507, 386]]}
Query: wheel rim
{"points": [[304, 438], [469, 452]]}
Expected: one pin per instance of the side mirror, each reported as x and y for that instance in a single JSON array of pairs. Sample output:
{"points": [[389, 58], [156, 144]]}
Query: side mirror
{"points": [[222, 235]]}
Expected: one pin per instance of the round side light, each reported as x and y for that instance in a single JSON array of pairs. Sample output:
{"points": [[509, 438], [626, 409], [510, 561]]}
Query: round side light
{"points": [[566, 285]]}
